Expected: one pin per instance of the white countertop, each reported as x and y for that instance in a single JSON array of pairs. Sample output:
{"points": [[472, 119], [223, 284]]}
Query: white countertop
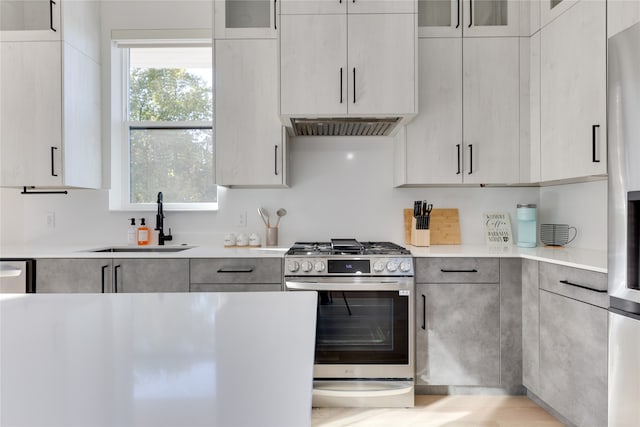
{"points": [[589, 259], [163, 359]]}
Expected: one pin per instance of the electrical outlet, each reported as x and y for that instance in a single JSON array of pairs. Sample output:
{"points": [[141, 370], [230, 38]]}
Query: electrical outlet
{"points": [[241, 219], [50, 219]]}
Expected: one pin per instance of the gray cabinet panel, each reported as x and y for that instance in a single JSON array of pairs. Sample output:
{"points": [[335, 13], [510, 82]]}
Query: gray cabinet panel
{"points": [[236, 270], [511, 324], [460, 342], [151, 275], [530, 326], [552, 276], [573, 359], [60, 275], [457, 270]]}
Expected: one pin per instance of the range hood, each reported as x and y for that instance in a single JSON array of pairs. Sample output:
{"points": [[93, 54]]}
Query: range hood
{"points": [[344, 126]]}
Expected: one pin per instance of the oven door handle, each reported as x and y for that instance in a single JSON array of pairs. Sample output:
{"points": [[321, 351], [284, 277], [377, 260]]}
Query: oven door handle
{"points": [[355, 286]]}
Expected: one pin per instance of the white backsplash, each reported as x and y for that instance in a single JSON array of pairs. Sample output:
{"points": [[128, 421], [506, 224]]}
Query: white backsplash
{"points": [[340, 187]]}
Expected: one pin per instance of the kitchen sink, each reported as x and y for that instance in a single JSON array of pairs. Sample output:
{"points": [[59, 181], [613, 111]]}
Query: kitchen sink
{"points": [[137, 249]]}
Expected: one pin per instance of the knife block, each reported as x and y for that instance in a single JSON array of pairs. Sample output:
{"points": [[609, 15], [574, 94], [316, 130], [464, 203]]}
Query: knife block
{"points": [[419, 237]]}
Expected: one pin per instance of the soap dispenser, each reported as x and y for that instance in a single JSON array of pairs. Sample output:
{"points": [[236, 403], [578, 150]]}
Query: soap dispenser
{"points": [[144, 236], [132, 232]]}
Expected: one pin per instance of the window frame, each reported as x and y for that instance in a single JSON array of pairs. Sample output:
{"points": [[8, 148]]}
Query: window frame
{"points": [[119, 193]]}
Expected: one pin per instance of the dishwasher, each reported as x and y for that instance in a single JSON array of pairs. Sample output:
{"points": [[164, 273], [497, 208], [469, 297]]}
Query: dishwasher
{"points": [[17, 276]]}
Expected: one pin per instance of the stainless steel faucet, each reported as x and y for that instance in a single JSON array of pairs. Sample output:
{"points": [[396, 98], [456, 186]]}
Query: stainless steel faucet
{"points": [[160, 223]]}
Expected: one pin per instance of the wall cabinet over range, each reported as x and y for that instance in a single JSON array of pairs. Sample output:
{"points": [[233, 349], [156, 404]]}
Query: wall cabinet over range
{"points": [[347, 62], [50, 84]]}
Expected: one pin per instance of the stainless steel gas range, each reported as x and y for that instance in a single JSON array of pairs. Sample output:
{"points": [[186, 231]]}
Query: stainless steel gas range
{"points": [[364, 331]]}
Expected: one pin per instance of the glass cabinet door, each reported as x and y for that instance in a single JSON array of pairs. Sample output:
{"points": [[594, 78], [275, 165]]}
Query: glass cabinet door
{"points": [[486, 18], [439, 18], [26, 20], [246, 19]]}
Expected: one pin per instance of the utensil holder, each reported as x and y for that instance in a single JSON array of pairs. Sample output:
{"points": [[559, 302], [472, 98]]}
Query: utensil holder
{"points": [[272, 236], [419, 237]]}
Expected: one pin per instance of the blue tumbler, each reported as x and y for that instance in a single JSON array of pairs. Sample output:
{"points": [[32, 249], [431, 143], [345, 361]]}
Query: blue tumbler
{"points": [[527, 237]]}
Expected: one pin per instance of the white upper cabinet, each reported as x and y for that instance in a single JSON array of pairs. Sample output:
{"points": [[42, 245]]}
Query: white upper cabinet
{"points": [[468, 18], [29, 20], [573, 93], [238, 19], [360, 64], [250, 140], [305, 7]]}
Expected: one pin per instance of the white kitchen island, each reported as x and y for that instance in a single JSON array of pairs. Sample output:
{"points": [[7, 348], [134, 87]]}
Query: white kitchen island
{"points": [[179, 359]]}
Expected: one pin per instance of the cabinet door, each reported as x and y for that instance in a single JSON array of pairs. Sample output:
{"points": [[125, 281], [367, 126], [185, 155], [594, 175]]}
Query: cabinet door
{"points": [[151, 275], [381, 65], [30, 113], [313, 7], [249, 135], [573, 93], [434, 136], [246, 19], [458, 334], [313, 67], [60, 275], [573, 359], [530, 326], [490, 18], [491, 120], [439, 18], [29, 20]]}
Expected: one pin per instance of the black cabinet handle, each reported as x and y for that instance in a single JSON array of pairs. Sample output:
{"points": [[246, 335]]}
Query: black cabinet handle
{"points": [[444, 270], [354, 85], [470, 159], [340, 85], [566, 282], [53, 162], [236, 270], [104, 267], [458, 25], [458, 147], [51, 3], [275, 159], [594, 129], [470, 13], [424, 312], [275, 14], [115, 278]]}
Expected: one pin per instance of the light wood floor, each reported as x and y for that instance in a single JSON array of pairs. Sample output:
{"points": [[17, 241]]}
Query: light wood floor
{"points": [[438, 411]]}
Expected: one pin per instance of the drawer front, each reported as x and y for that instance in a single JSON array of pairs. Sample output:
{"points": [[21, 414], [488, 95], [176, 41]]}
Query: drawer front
{"points": [[236, 270], [457, 270], [582, 285], [236, 287]]}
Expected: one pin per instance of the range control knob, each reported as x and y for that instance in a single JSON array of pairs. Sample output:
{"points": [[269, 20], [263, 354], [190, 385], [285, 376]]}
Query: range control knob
{"points": [[293, 266], [319, 267], [307, 266], [405, 266], [392, 266], [378, 266]]}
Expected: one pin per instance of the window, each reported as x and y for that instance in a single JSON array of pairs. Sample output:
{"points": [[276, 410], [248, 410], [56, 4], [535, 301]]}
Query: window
{"points": [[166, 143]]}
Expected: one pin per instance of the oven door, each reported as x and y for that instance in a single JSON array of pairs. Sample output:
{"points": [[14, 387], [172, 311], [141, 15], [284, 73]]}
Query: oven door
{"points": [[364, 326]]}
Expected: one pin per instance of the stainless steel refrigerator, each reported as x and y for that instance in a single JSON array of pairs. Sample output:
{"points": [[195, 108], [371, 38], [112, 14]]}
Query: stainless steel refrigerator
{"points": [[623, 80]]}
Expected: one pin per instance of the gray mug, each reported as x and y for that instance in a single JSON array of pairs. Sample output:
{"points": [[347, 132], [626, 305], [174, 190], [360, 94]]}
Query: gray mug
{"points": [[557, 234]]}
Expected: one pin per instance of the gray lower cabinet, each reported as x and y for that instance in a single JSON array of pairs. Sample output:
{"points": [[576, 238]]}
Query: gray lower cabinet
{"points": [[236, 274], [468, 322], [565, 333], [84, 275], [151, 275], [64, 275]]}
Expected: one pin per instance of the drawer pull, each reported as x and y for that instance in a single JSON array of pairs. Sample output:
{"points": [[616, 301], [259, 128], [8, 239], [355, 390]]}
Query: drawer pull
{"points": [[236, 270], [424, 312], [444, 270], [566, 282]]}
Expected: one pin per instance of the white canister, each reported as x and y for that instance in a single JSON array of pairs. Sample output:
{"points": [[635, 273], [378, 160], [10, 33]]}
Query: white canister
{"points": [[230, 239], [242, 240], [254, 239]]}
